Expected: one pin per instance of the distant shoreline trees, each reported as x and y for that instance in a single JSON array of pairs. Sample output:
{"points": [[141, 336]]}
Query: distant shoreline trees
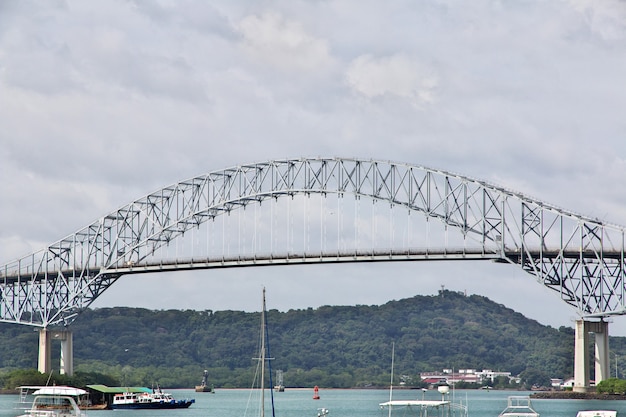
{"points": [[331, 346]]}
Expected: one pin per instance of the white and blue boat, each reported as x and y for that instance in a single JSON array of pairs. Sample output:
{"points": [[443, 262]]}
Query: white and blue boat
{"points": [[154, 400]]}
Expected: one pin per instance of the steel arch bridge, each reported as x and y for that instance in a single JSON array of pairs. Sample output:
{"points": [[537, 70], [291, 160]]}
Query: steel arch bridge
{"points": [[579, 257]]}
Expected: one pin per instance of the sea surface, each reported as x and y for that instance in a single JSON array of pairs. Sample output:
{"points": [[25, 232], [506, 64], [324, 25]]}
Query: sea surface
{"points": [[339, 402]]}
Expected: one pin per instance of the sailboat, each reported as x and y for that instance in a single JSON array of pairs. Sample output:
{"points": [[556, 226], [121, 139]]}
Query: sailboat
{"points": [[263, 359]]}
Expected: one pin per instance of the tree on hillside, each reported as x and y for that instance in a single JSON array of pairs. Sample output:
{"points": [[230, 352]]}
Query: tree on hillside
{"points": [[345, 346]]}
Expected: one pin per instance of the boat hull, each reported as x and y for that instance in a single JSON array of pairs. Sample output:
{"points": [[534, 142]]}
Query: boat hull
{"points": [[154, 406]]}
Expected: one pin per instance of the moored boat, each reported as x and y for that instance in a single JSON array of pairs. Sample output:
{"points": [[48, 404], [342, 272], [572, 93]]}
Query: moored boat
{"points": [[154, 400], [279, 387], [597, 413], [519, 406], [442, 408]]}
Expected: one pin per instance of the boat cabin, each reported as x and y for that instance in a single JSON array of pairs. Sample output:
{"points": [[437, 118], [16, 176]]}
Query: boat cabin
{"points": [[102, 394], [53, 401]]}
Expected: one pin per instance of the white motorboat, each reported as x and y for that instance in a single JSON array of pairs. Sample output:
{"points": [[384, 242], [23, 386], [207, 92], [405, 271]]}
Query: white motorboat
{"points": [[519, 406], [55, 401], [442, 408]]}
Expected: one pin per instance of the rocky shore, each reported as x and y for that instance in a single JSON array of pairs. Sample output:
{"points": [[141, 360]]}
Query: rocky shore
{"points": [[571, 395], [9, 391]]}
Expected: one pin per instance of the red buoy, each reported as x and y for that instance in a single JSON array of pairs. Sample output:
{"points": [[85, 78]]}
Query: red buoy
{"points": [[316, 395]]}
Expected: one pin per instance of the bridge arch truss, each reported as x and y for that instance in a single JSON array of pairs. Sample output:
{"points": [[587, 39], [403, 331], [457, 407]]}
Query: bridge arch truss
{"points": [[579, 257]]}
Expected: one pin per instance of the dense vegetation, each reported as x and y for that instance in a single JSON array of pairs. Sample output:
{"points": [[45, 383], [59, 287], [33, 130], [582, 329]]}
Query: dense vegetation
{"points": [[331, 346], [612, 386]]}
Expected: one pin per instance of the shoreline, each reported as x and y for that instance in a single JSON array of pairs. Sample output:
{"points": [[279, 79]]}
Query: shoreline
{"points": [[571, 395], [538, 395]]}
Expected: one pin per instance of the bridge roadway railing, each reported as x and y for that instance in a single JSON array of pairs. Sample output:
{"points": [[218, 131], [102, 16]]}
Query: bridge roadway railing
{"points": [[292, 258], [378, 255], [287, 258]]}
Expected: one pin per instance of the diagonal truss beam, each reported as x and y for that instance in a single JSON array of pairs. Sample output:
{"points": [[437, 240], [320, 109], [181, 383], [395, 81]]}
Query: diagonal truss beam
{"points": [[580, 258]]}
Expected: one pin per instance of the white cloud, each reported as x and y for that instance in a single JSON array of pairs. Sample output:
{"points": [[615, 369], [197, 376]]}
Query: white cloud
{"points": [[283, 43], [606, 19], [396, 75]]}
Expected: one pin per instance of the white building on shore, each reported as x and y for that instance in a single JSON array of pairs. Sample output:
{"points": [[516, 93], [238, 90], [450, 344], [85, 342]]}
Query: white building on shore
{"points": [[450, 376]]}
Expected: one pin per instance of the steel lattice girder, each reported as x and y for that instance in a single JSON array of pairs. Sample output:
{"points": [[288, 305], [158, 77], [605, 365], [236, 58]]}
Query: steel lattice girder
{"points": [[579, 257]]}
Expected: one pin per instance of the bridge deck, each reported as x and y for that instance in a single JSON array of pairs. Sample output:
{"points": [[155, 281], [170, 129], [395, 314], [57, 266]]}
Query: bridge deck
{"points": [[276, 259]]}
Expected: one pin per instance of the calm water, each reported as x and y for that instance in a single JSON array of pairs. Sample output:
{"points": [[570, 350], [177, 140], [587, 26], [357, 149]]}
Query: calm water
{"points": [[341, 403]]}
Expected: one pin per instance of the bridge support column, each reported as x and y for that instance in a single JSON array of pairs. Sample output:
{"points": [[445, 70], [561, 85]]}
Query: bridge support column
{"points": [[46, 337], [44, 352], [581, 356], [601, 358]]}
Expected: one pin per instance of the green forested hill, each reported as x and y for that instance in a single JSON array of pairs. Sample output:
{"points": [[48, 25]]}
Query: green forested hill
{"points": [[332, 346]]}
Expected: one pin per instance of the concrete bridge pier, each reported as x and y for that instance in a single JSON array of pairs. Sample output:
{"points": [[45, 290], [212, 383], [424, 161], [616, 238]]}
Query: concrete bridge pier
{"points": [[46, 337], [581, 354]]}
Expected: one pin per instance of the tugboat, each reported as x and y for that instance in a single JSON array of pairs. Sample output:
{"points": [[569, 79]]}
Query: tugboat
{"points": [[203, 387]]}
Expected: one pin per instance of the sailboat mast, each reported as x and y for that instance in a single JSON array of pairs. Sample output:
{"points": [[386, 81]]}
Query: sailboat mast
{"points": [[263, 357], [393, 354]]}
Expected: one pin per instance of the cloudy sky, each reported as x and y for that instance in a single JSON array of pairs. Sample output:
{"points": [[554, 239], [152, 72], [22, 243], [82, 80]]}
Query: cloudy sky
{"points": [[102, 102]]}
